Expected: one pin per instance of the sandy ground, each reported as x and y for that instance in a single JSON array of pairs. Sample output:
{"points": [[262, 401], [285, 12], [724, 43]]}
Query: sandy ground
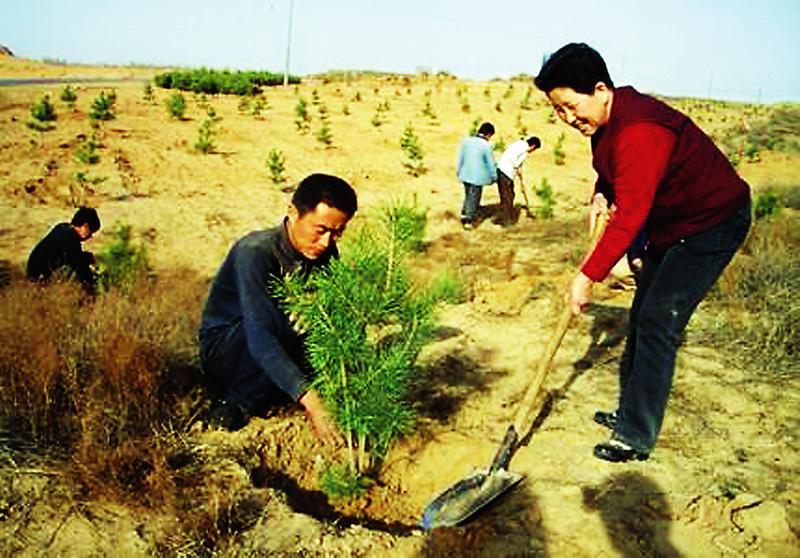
{"points": [[723, 480]]}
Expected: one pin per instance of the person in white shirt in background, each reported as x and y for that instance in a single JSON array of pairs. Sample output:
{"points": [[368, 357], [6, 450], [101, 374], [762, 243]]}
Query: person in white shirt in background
{"points": [[509, 167]]}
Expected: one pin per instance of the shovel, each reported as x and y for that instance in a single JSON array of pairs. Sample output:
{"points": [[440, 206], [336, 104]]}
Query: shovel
{"points": [[462, 500]]}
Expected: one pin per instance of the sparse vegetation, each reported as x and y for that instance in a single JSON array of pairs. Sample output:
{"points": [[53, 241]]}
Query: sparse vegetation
{"points": [[324, 134], [102, 108], [755, 306], [208, 129], [302, 118], [176, 106], [87, 151], [544, 193], [415, 156], [121, 262], [148, 94], [68, 95], [43, 114], [276, 165], [559, 157]]}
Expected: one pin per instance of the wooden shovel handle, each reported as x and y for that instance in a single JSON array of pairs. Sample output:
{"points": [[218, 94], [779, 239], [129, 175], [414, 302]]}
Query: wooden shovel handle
{"points": [[526, 408]]}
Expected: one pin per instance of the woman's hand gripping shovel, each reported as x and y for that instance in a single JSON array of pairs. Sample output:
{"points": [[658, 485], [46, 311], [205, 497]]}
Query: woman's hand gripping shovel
{"points": [[469, 495]]}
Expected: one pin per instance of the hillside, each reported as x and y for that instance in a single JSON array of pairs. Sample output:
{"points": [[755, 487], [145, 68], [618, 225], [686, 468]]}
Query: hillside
{"points": [[723, 480]]}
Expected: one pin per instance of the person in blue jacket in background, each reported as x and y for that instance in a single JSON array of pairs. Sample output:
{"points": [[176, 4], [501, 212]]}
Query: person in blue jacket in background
{"points": [[476, 169]]}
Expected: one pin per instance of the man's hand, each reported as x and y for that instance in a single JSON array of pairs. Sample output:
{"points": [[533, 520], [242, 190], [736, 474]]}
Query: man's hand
{"points": [[579, 293], [322, 422]]}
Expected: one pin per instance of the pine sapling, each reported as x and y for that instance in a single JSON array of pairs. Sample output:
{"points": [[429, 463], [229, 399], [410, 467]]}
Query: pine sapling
{"points": [[409, 142], [176, 105], [302, 118], [546, 201], [103, 107], [558, 152], [276, 165], [365, 324], [69, 96]]}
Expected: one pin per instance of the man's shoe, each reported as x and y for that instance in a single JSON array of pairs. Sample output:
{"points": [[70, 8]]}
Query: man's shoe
{"points": [[225, 415], [609, 420], [468, 225], [618, 452]]}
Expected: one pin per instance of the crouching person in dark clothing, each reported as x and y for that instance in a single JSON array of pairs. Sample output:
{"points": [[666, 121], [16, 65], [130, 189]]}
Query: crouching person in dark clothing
{"points": [[248, 347], [61, 249]]}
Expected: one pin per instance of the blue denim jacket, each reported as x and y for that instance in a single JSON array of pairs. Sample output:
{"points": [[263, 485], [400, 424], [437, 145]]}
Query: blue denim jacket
{"points": [[476, 162]]}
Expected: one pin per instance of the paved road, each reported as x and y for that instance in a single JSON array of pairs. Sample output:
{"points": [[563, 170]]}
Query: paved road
{"points": [[6, 82]]}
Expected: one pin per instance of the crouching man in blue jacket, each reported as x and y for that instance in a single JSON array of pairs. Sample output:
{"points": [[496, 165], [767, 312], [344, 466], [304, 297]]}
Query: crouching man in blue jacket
{"points": [[248, 347]]}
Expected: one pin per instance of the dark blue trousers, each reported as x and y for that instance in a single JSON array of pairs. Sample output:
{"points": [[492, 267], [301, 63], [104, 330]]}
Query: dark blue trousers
{"points": [[671, 285], [234, 373]]}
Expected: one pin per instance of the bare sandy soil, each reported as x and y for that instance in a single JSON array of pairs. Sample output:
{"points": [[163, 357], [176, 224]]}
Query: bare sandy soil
{"points": [[723, 480]]}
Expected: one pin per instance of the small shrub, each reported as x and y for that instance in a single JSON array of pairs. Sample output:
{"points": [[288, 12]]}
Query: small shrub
{"points": [[559, 156], [68, 95], [148, 94], [427, 110], [176, 105], [302, 118], [409, 142], [121, 262], [755, 309], [473, 128], [276, 165], [526, 101], [207, 131], [43, 110], [546, 201], [87, 151], [102, 108], [324, 134], [260, 104], [766, 205]]}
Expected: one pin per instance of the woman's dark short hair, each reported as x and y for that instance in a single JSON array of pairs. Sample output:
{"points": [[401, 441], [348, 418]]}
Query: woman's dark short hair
{"points": [[577, 66], [323, 188], [486, 129], [86, 215]]}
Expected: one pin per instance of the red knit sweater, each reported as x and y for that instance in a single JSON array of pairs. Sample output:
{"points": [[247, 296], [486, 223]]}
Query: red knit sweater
{"points": [[662, 172]]}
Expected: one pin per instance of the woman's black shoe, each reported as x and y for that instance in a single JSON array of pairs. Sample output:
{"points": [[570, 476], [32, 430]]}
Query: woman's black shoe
{"points": [[618, 452], [609, 420]]}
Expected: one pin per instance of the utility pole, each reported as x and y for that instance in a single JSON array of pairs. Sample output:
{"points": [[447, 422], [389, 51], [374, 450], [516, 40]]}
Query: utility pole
{"points": [[288, 45]]}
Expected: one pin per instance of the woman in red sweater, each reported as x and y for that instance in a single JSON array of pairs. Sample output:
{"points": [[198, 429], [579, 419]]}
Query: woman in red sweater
{"points": [[664, 176]]}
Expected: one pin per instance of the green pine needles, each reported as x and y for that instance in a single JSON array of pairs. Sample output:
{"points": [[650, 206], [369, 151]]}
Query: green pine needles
{"points": [[365, 324], [415, 156]]}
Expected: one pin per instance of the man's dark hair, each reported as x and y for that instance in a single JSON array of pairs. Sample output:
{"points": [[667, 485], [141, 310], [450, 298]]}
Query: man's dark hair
{"points": [[577, 66], [86, 215], [486, 129], [323, 188], [533, 141]]}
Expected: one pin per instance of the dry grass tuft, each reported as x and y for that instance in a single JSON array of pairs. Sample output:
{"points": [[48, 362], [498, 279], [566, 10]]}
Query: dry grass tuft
{"points": [[757, 312], [95, 381]]}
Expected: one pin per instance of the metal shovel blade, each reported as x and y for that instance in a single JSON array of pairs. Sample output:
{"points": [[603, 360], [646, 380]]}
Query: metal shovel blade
{"points": [[459, 502]]}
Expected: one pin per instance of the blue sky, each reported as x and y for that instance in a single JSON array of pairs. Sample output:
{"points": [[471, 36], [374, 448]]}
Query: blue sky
{"points": [[726, 49]]}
